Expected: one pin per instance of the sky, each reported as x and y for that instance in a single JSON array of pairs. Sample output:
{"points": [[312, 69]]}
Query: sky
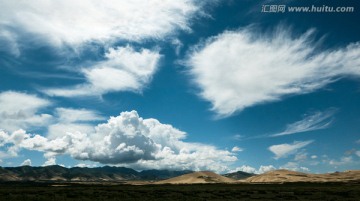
{"points": [[218, 85]]}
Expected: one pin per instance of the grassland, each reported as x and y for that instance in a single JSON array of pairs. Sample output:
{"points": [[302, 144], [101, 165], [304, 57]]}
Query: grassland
{"points": [[71, 191]]}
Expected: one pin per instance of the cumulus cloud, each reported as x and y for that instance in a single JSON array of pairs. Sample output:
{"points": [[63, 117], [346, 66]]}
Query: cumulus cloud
{"points": [[240, 69], [316, 121], [124, 69], [50, 161], [78, 22], [26, 162], [265, 168], [262, 169], [21, 110], [127, 140], [284, 150]]}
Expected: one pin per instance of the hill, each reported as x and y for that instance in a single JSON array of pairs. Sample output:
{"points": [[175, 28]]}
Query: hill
{"points": [[198, 178], [283, 176]]}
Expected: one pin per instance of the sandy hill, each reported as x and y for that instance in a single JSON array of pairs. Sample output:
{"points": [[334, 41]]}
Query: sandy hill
{"points": [[281, 176], [198, 178]]}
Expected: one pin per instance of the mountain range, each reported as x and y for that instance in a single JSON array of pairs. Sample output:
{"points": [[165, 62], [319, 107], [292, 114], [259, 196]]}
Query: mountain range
{"points": [[106, 173], [57, 173]]}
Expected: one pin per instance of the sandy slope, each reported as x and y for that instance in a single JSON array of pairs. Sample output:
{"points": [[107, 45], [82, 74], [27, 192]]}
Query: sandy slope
{"points": [[280, 176], [197, 178]]}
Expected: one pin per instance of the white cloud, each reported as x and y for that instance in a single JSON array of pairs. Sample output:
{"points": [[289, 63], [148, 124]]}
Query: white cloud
{"points": [[294, 167], [237, 149], [315, 121], [343, 161], [262, 169], [77, 22], [26, 162], [357, 153], [300, 157], [128, 140], [50, 161], [314, 157], [124, 69], [284, 150], [21, 110], [178, 45], [88, 165], [72, 121], [69, 115], [60, 129], [265, 168], [245, 168], [243, 68]]}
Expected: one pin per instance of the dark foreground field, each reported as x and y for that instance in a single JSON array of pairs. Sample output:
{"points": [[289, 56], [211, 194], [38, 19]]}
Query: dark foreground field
{"points": [[298, 191]]}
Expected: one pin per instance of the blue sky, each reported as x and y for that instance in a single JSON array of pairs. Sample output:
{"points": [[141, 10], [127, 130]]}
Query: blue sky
{"points": [[202, 85]]}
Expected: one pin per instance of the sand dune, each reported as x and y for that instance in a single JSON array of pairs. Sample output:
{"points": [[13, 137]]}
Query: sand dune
{"points": [[281, 176], [198, 178]]}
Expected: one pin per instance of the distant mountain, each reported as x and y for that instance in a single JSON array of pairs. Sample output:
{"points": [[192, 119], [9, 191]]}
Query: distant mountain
{"points": [[238, 175], [59, 173]]}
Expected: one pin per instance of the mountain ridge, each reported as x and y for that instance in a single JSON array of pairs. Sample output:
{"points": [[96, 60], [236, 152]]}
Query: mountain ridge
{"points": [[105, 173]]}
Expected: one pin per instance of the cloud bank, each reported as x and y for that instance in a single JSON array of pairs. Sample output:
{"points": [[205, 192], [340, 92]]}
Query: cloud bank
{"points": [[262, 169], [240, 69], [127, 140]]}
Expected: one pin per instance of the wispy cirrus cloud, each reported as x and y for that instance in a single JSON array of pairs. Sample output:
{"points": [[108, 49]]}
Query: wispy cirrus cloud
{"points": [[312, 121], [315, 121], [239, 69], [284, 150]]}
